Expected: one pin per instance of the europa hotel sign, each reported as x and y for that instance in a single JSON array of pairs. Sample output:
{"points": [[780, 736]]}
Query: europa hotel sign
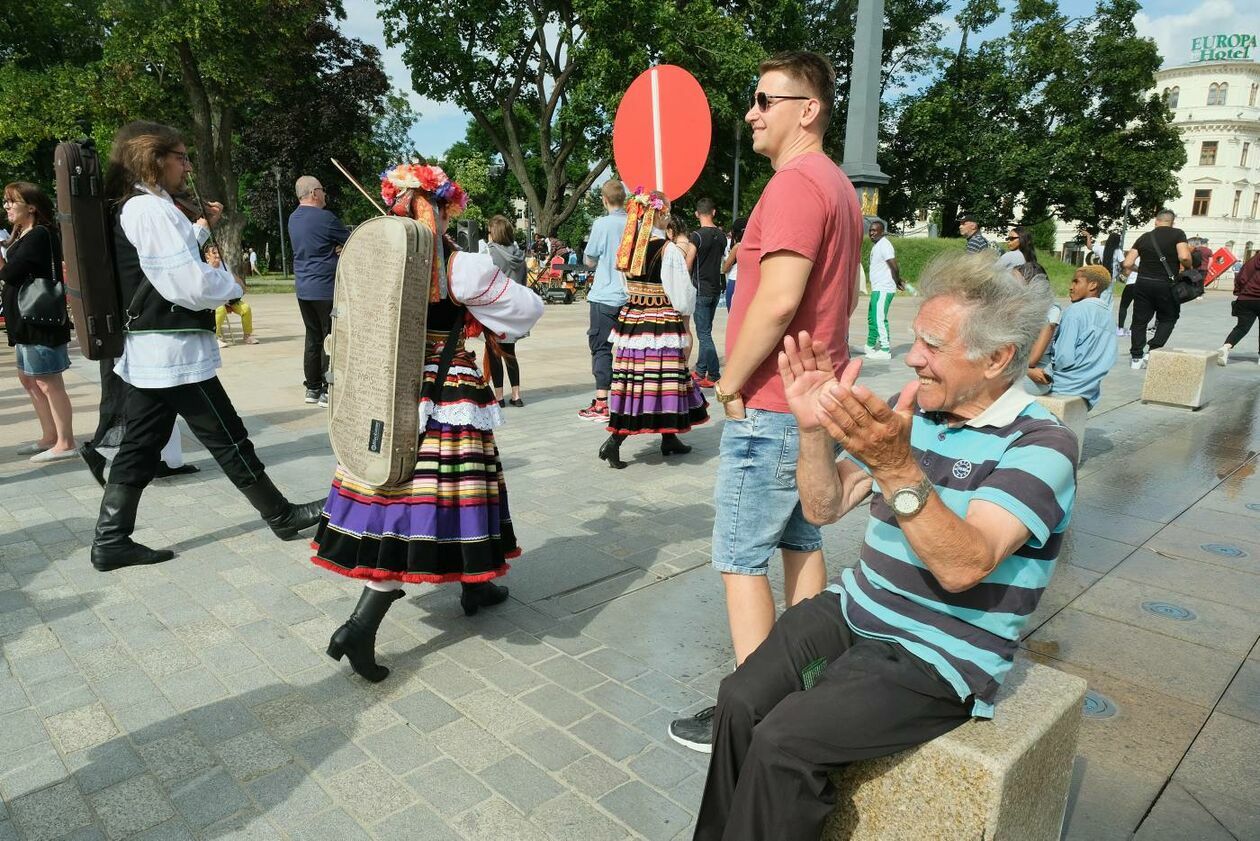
{"points": [[1222, 47]]}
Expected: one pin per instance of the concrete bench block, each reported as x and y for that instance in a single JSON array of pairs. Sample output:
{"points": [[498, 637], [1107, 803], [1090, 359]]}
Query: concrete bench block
{"points": [[1179, 377], [1071, 411], [994, 780]]}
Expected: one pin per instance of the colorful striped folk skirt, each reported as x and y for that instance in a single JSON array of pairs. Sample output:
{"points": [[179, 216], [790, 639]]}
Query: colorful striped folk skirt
{"points": [[652, 389], [450, 521]]}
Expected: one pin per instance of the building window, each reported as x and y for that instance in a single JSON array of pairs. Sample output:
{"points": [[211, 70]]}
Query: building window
{"points": [[1237, 201], [1171, 96], [1217, 94], [1243, 160], [1251, 98], [1207, 153], [1255, 205], [1202, 198], [1248, 250]]}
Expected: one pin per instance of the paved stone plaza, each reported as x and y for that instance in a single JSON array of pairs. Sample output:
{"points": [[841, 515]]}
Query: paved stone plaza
{"points": [[193, 699]]}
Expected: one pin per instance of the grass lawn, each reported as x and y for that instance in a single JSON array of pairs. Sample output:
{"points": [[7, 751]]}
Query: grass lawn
{"points": [[267, 284], [915, 253]]}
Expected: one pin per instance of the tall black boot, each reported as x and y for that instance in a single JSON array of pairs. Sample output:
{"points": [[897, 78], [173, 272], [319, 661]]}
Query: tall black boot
{"points": [[356, 639], [672, 445], [285, 518], [112, 546], [610, 452], [479, 595]]}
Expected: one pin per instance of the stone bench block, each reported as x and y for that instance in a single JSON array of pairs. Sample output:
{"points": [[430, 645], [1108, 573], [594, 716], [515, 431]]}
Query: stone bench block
{"points": [[994, 780], [1179, 377], [1071, 411]]}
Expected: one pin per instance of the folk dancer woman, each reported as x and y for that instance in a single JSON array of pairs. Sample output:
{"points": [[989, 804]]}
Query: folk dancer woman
{"points": [[170, 354], [450, 521], [652, 392]]}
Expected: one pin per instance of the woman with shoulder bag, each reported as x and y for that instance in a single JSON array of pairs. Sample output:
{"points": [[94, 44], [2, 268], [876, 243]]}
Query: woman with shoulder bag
{"points": [[38, 326]]}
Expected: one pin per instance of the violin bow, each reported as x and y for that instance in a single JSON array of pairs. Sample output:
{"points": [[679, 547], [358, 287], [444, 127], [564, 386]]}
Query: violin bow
{"points": [[192, 186], [358, 186]]}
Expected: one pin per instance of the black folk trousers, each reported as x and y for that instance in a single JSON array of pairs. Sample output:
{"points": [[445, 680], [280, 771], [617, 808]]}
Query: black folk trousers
{"points": [[209, 413], [775, 742]]}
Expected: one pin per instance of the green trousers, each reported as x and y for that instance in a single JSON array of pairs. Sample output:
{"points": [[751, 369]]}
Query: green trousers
{"points": [[877, 333]]}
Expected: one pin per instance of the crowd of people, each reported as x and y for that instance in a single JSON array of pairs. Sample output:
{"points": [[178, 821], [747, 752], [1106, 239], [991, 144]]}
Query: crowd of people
{"points": [[966, 483]]}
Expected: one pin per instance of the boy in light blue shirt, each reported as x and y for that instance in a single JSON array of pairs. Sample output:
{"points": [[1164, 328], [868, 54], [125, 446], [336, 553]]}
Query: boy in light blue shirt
{"points": [[607, 294], [1084, 345]]}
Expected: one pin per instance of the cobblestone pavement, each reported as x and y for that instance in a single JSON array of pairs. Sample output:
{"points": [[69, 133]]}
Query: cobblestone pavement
{"points": [[193, 699]]}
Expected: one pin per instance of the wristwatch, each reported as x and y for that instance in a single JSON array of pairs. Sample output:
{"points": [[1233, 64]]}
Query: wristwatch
{"points": [[908, 501], [722, 396]]}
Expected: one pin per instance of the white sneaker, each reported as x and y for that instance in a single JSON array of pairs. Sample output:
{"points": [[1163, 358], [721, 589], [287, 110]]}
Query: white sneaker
{"points": [[1222, 356], [1138, 364], [1120, 331], [877, 353], [867, 350]]}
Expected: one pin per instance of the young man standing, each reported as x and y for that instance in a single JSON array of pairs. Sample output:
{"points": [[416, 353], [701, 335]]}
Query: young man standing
{"points": [[797, 263], [885, 281], [709, 241], [607, 294]]}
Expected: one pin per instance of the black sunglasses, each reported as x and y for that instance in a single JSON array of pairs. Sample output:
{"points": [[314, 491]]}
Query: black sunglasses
{"points": [[763, 101]]}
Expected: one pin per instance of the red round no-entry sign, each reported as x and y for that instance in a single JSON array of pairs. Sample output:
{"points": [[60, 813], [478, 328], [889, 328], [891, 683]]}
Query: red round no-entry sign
{"points": [[662, 130]]}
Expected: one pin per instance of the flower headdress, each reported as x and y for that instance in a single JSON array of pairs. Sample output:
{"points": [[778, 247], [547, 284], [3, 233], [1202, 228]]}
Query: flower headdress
{"points": [[641, 212], [430, 180]]}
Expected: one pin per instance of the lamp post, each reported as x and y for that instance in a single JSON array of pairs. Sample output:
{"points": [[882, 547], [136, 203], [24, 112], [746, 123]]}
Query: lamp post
{"points": [[861, 131], [284, 269]]}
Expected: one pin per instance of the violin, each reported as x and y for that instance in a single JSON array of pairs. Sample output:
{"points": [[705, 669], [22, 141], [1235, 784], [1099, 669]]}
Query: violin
{"points": [[188, 205]]}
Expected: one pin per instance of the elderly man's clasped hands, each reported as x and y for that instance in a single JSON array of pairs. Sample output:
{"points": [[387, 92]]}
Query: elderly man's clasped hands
{"points": [[823, 398]]}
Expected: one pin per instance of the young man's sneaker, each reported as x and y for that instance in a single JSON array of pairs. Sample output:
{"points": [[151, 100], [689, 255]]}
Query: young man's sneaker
{"points": [[597, 411], [1222, 356], [867, 350], [695, 732], [1120, 331], [323, 400], [878, 353], [1138, 364], [705, 382], [312, 395]]}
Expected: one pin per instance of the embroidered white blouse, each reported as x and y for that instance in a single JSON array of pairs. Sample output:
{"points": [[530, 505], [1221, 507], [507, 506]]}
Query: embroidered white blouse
{"points": [[169, 247]]}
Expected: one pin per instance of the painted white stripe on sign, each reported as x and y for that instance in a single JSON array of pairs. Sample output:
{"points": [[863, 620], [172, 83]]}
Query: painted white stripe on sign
{"points": [[656, 132]]}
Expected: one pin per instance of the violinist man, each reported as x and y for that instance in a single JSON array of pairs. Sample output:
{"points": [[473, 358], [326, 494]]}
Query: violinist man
{"points": [[170, 355]]}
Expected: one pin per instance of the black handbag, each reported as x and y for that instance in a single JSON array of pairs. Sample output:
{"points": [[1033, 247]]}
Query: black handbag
{"points": [[1187, 286], [43, 300]]}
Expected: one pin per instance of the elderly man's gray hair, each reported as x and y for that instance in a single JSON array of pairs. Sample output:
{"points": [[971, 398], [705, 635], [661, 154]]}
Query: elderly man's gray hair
{"points": [[306, 185], [1001, 309]]}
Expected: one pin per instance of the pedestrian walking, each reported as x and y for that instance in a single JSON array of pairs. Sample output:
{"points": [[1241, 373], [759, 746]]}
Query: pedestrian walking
{"points": [[606, 296], [885, 279], [798, 261], [316, 236], [730, 263], [509, 259], [708, 240], [36, 321], [1159, 255], [652, 391], [1246, 306]]}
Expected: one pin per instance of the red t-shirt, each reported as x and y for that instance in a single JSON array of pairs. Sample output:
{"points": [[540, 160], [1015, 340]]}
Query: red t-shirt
{"points": [[810, 208]]}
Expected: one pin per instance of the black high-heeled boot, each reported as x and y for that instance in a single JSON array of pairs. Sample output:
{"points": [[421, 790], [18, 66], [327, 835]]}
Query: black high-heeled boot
{"points": [[610, 451], [356, 639], [479, 595], [672, 445]]}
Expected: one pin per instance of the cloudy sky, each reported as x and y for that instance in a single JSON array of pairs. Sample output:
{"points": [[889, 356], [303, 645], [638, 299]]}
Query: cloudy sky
{"points": [[1172, 23]]}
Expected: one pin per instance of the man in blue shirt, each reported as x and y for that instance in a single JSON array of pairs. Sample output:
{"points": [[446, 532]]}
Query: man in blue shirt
{"points": [[1084, 345], [607, 294], [972, 485], [316, 236]]}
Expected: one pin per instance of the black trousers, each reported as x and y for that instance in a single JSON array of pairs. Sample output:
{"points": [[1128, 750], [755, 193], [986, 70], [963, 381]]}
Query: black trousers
{"points": [[495, 363], [209, 413], [1126, 298], [1153, 298], [603, 320], [1246, 312], [775, 742], [110, 419], [317, 316]]}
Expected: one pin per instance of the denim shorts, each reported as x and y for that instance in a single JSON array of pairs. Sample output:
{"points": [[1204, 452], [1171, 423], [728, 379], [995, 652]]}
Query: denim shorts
{"points": [[41, 360], [758, 507]]}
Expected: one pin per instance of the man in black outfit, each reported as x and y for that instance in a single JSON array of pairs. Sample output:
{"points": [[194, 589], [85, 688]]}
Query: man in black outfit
{"points": [[170, 353], [1160, 254], [317, 236], [706, 274]]}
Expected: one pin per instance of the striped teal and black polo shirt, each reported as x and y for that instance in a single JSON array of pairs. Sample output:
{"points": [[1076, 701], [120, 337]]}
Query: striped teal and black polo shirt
{"points": [[1015, 455]]}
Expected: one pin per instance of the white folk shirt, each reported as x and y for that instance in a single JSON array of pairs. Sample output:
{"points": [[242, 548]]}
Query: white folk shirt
{"points": [[881, 274], [170, 256]]}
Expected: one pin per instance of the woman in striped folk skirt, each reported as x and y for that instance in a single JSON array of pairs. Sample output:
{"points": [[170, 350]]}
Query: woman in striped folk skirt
{"points": [[449, 522], [652, 392]]}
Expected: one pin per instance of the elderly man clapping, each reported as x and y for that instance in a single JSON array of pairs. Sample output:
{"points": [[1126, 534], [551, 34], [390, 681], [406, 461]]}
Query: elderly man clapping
{"points": [[971, 486]]}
